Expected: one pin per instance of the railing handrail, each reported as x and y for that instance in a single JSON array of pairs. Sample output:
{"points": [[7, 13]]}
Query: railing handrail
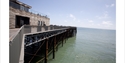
{"points": [[12, 37], [45, 31], [38, 13]]}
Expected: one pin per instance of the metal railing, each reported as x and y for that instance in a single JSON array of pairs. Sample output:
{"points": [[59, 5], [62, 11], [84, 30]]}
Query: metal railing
{"points": [[32, 38], [38, 13]]}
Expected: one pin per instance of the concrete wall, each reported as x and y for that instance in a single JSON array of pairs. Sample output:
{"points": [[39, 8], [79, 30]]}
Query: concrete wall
{"points": [[34, 18]]}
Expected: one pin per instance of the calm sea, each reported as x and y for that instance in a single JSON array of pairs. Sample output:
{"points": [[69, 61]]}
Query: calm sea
{"points": [[88, 46]]}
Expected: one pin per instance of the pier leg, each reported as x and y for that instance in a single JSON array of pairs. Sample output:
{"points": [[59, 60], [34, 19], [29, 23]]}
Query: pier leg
{"points": [[54, 46], [65, 40], [62, 41], [65, 37], [67, 34], [57, 47], [57, 43], [46, 52]]}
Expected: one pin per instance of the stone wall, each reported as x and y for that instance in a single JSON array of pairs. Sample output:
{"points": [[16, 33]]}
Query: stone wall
{"points": [[34, 18]]}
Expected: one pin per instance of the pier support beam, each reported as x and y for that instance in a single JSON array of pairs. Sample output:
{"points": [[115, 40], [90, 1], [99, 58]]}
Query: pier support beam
{"points": [[45, 43], [57, 43], [65, 37], [46, 50], [62, 39], [54, 46]]}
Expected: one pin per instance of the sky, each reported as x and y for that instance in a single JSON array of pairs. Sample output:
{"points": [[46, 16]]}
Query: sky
{"points": [[81, 13]]}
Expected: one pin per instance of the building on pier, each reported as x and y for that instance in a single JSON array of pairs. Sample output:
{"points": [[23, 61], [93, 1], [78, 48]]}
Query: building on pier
{"points": [[33, 39], [20, 14]]}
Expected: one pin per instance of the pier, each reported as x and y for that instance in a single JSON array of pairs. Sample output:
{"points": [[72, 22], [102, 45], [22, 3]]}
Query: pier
{"points": [[35, 43]]}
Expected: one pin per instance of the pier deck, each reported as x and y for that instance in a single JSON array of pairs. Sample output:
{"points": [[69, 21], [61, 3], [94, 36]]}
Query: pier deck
{"points": [[13, 32], [31, 42]]}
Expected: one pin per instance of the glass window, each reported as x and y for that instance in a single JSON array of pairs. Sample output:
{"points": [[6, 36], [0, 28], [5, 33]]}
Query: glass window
{"points": [[17, 6], [21, 7], [26, 9], [14, 5], [38, 23], [41, 23]]}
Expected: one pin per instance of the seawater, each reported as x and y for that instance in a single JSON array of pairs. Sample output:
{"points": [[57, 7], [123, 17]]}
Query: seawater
{"points": [[88, 46]]}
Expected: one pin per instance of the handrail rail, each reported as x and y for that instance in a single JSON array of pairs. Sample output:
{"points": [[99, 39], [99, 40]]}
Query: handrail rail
{"points": [[12, 37], [38, 13], [45, 31]]}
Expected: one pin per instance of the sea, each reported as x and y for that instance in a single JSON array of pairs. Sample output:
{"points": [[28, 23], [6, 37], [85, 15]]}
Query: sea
{"points": [[88, 46]]}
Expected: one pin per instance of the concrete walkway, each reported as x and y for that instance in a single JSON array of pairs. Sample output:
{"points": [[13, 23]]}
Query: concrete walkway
{"points": [[12, 32]]}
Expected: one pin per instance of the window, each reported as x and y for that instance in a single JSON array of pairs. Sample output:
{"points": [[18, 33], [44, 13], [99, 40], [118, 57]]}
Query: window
{"points": [[24, 8], [38, 23], [17, 6], [14, 5], [41, 23], [21, 7], [44, 23]]}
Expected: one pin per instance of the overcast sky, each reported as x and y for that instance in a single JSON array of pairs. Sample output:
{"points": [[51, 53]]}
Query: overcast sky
{"points": [[80, 13]]}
